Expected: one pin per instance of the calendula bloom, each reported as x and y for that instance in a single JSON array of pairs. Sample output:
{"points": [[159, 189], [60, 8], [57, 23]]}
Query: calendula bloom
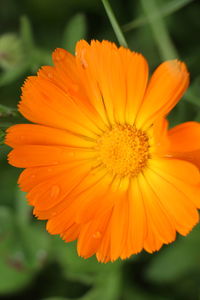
{"points": [[100, 163]]}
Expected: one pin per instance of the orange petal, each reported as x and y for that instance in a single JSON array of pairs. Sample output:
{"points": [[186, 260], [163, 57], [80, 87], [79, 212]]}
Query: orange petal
{"points": [[86, 190], [36, 155], [117, 79], [31, 134], [151, 240], [91, 235], [135, 72], [94, 64], [160, 226], [176, 202], [166, 87], [137, 221], [119, 222], [184, 175], [193, 157], [63, 221], [45, 103], [185, 142], [159, 134], [71, 233], [96, 197], [103, 253], [52, 191], [185, 137], [31, 177], [92, 195], [65, 68], [66, 76]]}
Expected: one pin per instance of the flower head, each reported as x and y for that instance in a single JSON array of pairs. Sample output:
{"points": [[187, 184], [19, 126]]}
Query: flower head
{"points": [[100, 164]]}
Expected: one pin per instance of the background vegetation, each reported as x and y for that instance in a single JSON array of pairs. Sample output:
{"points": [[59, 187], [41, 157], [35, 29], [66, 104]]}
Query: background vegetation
{"points": [[33, 264]]}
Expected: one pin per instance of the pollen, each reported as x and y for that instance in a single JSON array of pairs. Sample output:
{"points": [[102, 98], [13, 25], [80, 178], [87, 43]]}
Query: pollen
{"points": [[123, 150]]}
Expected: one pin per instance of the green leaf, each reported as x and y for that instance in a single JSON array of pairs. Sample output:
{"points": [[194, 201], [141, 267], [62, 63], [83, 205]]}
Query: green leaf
{"points": [[33, 238], [6, 111], [12, 58], [35, 243], [76, 29], [78, 268], [40, 57], [197, 118], [182, 112], [5, 220], [6, 228], [24, 248], [193, 93], [139, 293], [57, 298], [12, 74], [176, 260], [107, 286], [14, 276], [35, 56], [26, 34], [12, 262], [11, 53], [22, 209]]}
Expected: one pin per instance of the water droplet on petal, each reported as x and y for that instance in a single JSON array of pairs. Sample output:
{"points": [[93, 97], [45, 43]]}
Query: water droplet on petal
{"points": [[50, 75], [97, 235]]}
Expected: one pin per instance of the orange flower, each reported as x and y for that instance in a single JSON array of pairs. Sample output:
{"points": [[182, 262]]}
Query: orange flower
{"points": [[99, 163]]}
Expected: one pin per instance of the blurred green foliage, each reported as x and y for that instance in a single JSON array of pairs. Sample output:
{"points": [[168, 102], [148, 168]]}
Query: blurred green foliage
{"points": [[33, 264]]}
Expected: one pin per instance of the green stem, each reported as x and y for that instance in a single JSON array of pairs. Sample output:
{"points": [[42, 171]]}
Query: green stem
{"points": [[167, 9], [159, 30], [114, 23]]}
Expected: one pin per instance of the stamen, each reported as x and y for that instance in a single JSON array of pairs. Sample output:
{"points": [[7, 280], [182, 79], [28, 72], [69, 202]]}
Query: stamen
{"points": [[123, 150]]}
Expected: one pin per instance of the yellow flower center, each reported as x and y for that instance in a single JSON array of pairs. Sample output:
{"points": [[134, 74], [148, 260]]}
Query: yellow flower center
{"points": [[123, 150]]}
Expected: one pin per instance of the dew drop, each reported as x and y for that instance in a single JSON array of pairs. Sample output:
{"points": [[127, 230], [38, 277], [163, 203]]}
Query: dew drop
{"points": [[82, 59], [84, 63], [50, 75], [97, 235]]}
